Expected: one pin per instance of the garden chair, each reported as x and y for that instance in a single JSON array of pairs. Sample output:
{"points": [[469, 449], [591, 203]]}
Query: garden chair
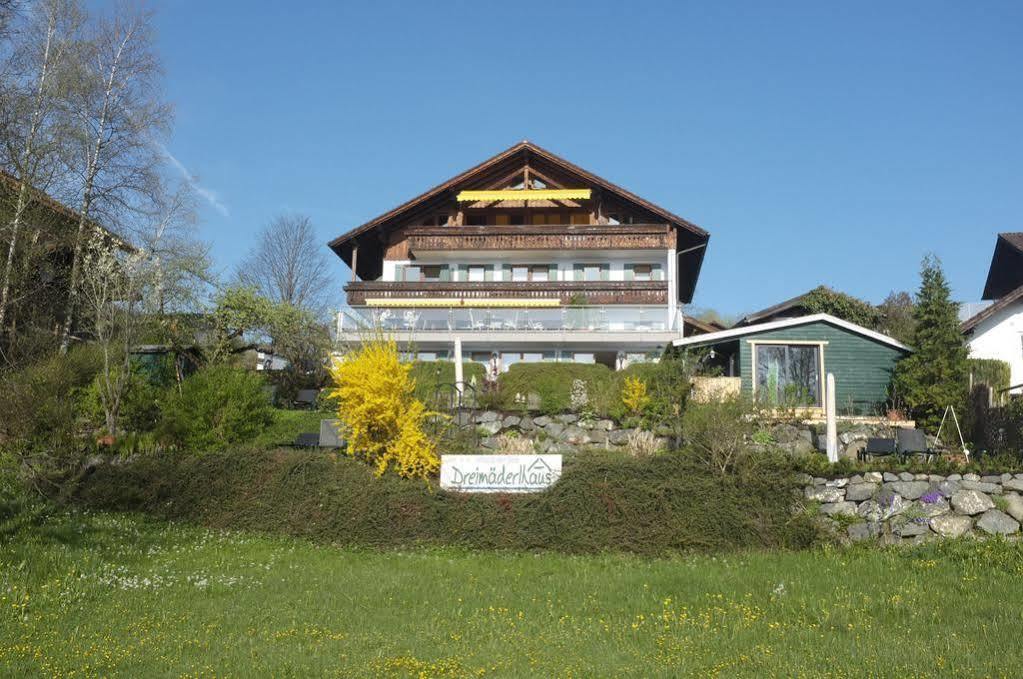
{"points": [[878, 447], [913, 442], [308, 440], [306, 398]]}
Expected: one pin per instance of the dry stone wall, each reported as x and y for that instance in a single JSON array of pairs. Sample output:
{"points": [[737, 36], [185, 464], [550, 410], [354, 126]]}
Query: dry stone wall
{"points": [[913, 508]]}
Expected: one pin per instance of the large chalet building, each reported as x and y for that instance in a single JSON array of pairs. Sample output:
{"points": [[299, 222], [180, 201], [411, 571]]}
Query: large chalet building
{"points": [[525, 257]]}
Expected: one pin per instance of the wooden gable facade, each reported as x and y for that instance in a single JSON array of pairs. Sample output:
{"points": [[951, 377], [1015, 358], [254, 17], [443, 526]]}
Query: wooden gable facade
{"points": [[610, 218]]}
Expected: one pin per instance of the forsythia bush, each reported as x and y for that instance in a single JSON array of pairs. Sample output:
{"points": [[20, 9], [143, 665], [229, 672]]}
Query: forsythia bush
{"points": [[379, 412], [634, 395]]}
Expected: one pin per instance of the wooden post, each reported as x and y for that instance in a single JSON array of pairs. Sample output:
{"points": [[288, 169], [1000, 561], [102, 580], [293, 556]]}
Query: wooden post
{"points": [[355, 262], [459, 378], [832, 424]]}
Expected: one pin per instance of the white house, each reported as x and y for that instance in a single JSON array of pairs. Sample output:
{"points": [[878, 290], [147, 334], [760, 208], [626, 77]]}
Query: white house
{"points": [[997, 330]]}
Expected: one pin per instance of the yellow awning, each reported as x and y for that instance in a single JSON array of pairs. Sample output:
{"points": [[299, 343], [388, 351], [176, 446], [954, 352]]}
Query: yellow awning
{"points": [[455, 302], [524, 194]]}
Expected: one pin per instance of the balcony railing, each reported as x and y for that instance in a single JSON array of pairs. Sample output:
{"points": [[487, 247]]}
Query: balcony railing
{"points": [[582, 319], [592, 292], [540, 237]]}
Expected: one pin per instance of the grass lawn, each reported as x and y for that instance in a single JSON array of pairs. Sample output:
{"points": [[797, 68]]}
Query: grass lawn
{"points": [[287, 424], [112, 594]]}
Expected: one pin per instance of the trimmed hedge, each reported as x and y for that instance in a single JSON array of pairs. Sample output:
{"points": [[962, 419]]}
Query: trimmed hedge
{"points": [[990, 371], [603, 502], [552, 382], [429, 374]]}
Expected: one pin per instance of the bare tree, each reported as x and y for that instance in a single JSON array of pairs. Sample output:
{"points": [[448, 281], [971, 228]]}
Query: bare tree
{"points": [[123, 289], [288, 265], [32, 98], [117, 114], [8, 10]]}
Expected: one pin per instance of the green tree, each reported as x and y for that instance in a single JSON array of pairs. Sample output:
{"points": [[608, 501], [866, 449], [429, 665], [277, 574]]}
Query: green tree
{"points": [[824, 300], [935, 376], [897, 316]]}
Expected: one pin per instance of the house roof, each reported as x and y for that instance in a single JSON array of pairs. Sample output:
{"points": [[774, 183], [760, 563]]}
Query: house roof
{"points": [[1006, 271], [12, 183], [692, 246], [732, 333], [695, 326], [788, 305], [1006, 300]]}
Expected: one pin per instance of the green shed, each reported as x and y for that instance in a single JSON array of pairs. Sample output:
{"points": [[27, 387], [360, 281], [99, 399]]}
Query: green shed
{"points": [[784, 363]]}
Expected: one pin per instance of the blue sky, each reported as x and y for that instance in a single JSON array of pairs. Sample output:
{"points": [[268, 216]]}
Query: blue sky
{"points": [[817, 142]]}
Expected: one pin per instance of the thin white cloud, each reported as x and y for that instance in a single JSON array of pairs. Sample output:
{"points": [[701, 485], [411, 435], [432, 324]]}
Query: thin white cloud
{"points": [[207, 194]]}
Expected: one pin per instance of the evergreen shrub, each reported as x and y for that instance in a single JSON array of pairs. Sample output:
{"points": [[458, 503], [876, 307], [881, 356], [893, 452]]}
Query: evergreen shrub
{"points": [[216, 407], [603, 502]]}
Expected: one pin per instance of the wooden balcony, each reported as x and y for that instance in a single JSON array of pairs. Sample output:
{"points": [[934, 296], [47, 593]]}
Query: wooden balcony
{"points": [[593, 292], [546, 237]]}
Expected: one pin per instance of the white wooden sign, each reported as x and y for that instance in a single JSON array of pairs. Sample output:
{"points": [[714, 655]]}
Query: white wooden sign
{"points": [[499, 473]]}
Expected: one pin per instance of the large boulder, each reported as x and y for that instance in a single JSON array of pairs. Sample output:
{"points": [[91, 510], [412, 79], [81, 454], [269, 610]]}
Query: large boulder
{"points": [[824, 494], [566, 418], [971, 502], [488, 416], [836, 508], [910, 529], [554, 429], [541, 421], [619, 437], [948, 488], [951, 525], [982, 486], [576, 436], [1012, 483], [1014, 506], [910, 490], [997, 522], [929, 509], [871, 511], [490, 427], [864, 531], [511, 421], [858, 492], [891, 503]]}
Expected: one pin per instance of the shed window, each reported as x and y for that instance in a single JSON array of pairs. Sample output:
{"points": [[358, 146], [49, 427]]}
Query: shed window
{"points": [[788, 374]]}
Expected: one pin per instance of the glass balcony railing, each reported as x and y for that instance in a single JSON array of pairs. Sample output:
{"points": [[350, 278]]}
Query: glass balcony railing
{"points": [[610, 318]]}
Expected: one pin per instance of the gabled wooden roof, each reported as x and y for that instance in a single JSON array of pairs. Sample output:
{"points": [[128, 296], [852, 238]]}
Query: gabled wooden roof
{"points": [[10, 183], [732, 333], [1006, 271], [691, 237], [989, 311]]}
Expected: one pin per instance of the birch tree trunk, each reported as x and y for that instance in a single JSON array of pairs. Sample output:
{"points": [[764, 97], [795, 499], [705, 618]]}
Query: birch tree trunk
{"points": [[42, 104]]}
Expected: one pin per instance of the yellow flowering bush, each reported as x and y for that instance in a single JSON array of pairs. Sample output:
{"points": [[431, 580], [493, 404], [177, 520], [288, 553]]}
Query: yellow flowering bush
{"points": [[379, 414], [634, 395]]}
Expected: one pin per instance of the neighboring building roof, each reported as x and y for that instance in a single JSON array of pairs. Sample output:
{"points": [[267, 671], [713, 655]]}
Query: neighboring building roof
{"points": [[790, 307], [732, 333], [692, 247], [1006, 300], [693, 326], [44, 199], [1006, 271]]}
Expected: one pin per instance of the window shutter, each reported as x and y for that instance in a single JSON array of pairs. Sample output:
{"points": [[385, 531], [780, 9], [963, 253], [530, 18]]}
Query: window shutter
{"points": [[580, 274], [552, 272], [605, 272], [488, 274], [445, 273], [506, 272], [630, 272], [656, 273]]}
